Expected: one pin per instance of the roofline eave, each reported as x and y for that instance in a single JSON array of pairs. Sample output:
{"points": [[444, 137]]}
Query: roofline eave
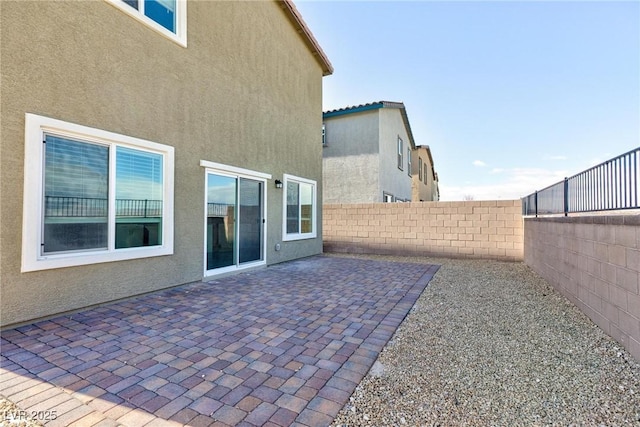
{"points": [[304, 31]]}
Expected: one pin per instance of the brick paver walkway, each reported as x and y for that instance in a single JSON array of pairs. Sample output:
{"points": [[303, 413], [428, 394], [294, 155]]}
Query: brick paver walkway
{"points": [[286, 345]]}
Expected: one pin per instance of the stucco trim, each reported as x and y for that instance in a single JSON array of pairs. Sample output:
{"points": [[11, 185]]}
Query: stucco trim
{"points": [[234, 169]]}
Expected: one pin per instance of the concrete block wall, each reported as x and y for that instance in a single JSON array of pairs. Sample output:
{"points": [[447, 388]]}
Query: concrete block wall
{"points": [[594, 262], [470, 229]]}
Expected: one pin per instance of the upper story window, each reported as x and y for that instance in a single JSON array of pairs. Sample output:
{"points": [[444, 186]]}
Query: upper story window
{"points": [[168, 17], [420, 168], [400, 154], [300, 219], [324, 134], [93, 196], [426, 170], [409, 161]]}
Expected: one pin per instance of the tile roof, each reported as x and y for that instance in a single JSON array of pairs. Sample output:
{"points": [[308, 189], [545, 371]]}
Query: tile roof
{"points": [[374, 106], [363, 107]]}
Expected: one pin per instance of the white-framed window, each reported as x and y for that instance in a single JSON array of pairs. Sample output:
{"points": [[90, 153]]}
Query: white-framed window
{"points": [[324, 135], [409, 161], [400, 154], [420, 168], [387, 198], [167, 17], [93, 196], [299, 205]]}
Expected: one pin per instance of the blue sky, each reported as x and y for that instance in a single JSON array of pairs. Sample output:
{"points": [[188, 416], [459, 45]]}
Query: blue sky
{"points": [[511, 96]]}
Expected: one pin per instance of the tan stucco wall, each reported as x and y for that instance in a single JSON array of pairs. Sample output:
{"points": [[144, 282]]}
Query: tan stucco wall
{"points": [[474, 229], [594, 261], [422, 192], [246, 92]]}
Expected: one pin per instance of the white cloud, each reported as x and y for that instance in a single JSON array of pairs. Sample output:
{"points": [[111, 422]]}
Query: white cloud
{"points": [[479, 163], [511, 184], [497, 170], [557, 157]]}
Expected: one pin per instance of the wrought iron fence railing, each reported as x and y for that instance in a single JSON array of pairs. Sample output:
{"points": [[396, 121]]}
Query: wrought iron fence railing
{"points": [[89, 207], [220, 209], [611, 185], [74, 207]]}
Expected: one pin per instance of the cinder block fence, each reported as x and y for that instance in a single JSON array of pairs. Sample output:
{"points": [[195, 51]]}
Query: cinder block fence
{"points": [[470, 229], [594, 261]]}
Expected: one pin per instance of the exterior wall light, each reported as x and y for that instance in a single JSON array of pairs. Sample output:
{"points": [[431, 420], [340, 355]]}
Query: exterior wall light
{"points": [[278, 183]]}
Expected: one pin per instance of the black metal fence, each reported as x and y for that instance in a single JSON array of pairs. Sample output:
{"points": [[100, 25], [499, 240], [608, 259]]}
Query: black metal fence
{"points": [[612, 185], [87, 207], [219, 209], [139, 208]]}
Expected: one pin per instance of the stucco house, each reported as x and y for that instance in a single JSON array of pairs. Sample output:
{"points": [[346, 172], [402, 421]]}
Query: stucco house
{"points": [[425, 179], [367, 154], [139, 151]]}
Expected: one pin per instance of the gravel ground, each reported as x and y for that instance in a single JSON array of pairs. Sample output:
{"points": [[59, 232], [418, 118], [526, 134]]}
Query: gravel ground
{"points": [[492, 344]]}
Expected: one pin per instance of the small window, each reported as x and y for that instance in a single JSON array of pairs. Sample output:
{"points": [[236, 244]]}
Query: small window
{"points": [[426, 173], [420, 168], [168, 17], [300, 208], [409, 161], [93, 196], [324, 135], [387, 198], [400, 154]]}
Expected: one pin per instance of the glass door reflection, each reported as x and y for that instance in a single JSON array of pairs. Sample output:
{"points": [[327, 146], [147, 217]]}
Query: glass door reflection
{"points": [[235, 228], [250, 221], [221, 221]]}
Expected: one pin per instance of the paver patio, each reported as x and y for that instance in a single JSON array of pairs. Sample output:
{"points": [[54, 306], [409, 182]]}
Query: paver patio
{"points": [[285, 345]]}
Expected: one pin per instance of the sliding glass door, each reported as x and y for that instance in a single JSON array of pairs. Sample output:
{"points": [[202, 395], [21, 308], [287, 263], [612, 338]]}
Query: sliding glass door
{"points": [[234, 222], [221, 219], [250, 223]]}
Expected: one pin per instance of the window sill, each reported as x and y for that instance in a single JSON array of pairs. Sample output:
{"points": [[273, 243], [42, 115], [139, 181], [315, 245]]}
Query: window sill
{"points": [[294, 237], [50, 262]]}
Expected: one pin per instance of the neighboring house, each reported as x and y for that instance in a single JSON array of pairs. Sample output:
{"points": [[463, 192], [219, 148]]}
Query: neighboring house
{"points": [[147, 144], [425, 178], [367, 154]]}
